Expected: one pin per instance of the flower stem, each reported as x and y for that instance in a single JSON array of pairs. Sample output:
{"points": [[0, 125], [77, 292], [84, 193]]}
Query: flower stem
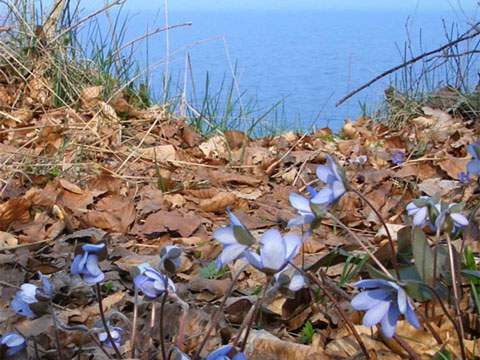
{"points": [[256, 311], [339, 310], [362, 245], [216, 315], [152, 325], [380, 217], [162, 335], [405, 346], [104, 321], [134, 324], [55, 329], [456, 295]]}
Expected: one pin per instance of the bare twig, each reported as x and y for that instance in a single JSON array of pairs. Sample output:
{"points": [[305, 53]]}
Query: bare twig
{"points": [[466, 36]]}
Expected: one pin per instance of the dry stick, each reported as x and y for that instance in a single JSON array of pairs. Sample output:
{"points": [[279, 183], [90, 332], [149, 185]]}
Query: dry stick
{"points": [[362, 245], [462, 38], [380, 217], [256, 311], [134, 324], [338, 308], [456, 296], [104, 321], [161, 334], [216, 315]]}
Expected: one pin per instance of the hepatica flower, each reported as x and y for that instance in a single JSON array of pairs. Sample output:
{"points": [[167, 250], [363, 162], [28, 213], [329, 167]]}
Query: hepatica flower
{"points": [[116, 333], [235, 239], [473, 166], [306, 214], [289, 280], [419, 209], [334, 178], [226, 352], [463, 177], [30, 294], [13, 343], [152, 283], [449, 216], [276, 250], [398, 157], [384, 302], [85, 263]]}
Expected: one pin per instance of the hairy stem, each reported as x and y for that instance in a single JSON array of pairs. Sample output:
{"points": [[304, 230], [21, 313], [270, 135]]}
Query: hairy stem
{"points": [[256, 311], [362, 245], [161, 333], [338, 308], [134, 324], [456, 296], [104, 321], [55, 329], [216, 315], [411, 353], [380, 217]]}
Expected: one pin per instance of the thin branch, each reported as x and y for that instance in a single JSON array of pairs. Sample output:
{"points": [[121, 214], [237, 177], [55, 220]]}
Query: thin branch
{"points": [[466, 36]]}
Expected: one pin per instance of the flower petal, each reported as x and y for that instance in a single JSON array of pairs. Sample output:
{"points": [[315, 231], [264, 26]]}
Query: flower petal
{"points": [[368, 299], [389, 322], [420, 216], [273, 250], [92, 265], [325, 174], [28, 293], [225, 235], [401, 300], [324, 196], [376, 314], [293, 242], [338, 189], [92, 280], [21, 307], [371, 283], [296, 283], [78, 263], [230, 253], [473, 167], [93, 248], [411, 316], [299, 202], [223, 351], [12, 340], [459, 219]]}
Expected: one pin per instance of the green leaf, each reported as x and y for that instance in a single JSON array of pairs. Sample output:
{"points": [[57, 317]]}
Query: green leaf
{"points": [[404, 243], [423, 255], [211, 271], [307, 333]]}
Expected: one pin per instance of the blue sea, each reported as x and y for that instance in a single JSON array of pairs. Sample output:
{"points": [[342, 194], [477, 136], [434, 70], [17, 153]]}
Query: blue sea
{"points": [[308, 59]]}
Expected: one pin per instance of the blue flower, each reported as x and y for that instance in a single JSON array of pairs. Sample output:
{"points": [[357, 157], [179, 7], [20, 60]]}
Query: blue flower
{"points": [[398, 157], [170, 260], [419, 210], [289, 280], [332, 176], [473, 166], [116, 333], [275, 251], [85, 264], [151, 282], [235, 239], [13, 343], [463, 177], [226, 352], [449, 216], [384, 302], [30, 294], [303, 206]]}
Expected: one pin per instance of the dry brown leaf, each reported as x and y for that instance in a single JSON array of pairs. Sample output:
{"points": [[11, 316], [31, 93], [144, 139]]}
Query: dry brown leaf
{"points": [[161, 153], [7, 240], [219, 202], [454, 166]]}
